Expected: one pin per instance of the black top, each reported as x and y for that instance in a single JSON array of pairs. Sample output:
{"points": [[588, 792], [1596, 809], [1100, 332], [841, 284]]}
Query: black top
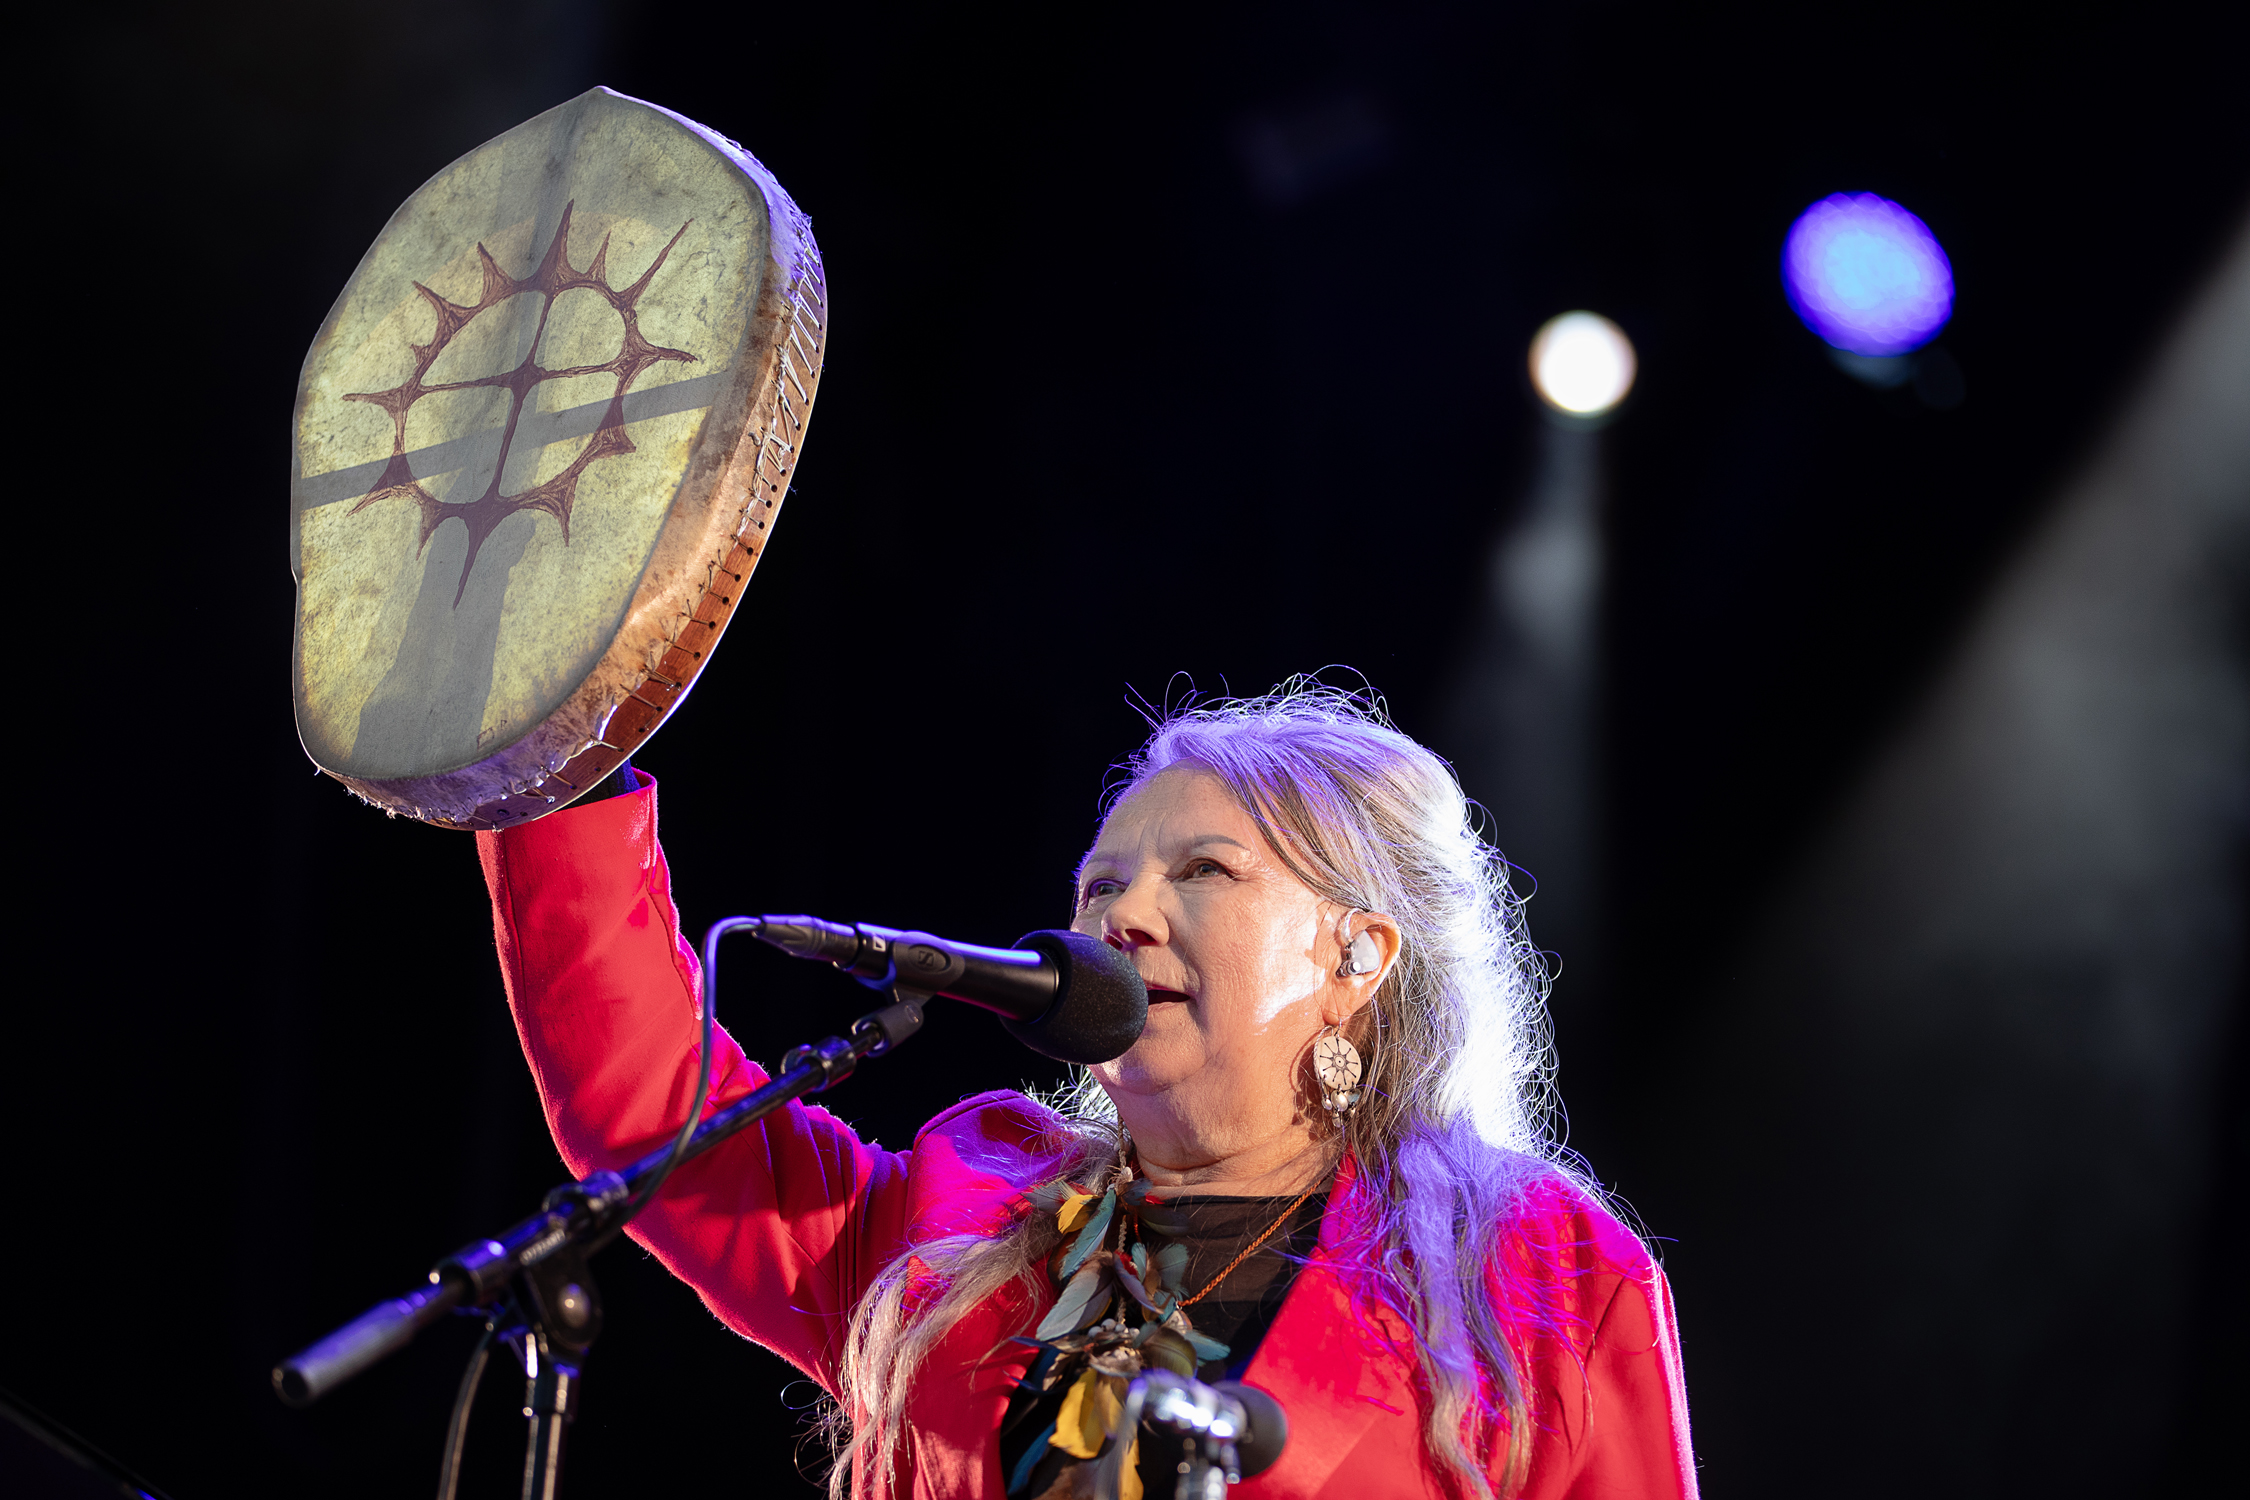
{"points": [[1237, 1313]]}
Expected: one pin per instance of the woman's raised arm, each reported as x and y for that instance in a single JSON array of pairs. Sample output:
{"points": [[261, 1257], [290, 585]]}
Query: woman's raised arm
{"points": [[780, 1228]]}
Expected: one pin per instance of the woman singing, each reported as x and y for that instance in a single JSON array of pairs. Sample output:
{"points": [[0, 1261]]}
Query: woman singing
{"points": [[1323, 1169]]}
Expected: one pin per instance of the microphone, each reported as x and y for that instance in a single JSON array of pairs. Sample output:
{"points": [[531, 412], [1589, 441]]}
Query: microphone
{"points": [[1060, 993], [1201, 1431], [1267, 1426]]}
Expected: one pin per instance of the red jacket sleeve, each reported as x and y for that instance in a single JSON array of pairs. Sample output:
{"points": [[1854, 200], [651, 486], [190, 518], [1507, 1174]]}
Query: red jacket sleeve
{"points": [[1614, 1423], [780, 1228], [1637, 1400]]}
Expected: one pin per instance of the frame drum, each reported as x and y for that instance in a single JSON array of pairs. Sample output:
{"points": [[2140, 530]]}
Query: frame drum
{"points": [[540, 442]]}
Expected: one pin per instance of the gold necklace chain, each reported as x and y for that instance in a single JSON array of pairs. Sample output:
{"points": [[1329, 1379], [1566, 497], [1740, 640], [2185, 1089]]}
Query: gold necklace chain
{"points": [[1251, 1248]]}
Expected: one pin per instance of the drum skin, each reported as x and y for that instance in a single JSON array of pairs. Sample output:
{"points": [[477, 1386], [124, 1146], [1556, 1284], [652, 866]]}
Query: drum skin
{"points": [[540, 443]]}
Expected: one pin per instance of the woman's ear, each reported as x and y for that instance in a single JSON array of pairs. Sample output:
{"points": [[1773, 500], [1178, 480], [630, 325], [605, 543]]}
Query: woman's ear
{"points": [[1367, 945]]}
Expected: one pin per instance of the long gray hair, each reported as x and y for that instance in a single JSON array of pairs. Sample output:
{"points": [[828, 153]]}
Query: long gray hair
{"points": [[1458, 1088]]}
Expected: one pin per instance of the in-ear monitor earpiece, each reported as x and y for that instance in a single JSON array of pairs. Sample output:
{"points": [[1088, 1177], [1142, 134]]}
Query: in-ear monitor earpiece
{"points": [[1359, 951]]}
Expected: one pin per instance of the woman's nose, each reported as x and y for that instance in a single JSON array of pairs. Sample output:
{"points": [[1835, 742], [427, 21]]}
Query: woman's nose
{"points": [[1133, 920]]}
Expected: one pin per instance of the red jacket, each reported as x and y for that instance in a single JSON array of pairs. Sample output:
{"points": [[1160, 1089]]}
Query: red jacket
{"points": [[782, 1228]]}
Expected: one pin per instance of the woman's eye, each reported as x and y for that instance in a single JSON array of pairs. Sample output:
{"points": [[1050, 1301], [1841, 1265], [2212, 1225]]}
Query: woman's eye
{"points": [[1099, 890], [1205, 867]]}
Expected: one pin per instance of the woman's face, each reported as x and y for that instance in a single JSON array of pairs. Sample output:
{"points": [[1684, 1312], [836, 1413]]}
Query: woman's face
{"points": [[1240, 957]]}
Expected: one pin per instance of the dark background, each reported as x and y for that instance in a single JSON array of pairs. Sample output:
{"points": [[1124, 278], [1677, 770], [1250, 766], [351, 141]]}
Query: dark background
{"points": [[1179, 347]]}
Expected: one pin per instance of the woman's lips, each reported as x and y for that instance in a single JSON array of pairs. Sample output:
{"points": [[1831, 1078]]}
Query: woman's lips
{"points": [[1157, 994]]}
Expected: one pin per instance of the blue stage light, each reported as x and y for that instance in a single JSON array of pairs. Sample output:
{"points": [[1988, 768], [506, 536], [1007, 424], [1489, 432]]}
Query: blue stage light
{"points": [[1866, 275]]}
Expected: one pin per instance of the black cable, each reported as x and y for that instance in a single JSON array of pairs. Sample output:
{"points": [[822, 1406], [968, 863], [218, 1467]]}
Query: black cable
{"points": [[69, 1445], [640, 1200], [464, 1400]]}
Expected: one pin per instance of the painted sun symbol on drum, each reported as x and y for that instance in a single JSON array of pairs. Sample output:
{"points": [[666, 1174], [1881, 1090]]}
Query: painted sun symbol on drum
{"points": [[554, 276]]}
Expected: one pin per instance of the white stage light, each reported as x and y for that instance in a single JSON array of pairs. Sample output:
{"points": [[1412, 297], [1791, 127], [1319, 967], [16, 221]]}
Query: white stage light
{"points": [[1582, 363]]}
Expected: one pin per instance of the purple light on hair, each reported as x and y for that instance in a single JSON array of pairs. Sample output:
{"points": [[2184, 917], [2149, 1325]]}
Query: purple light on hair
{"points": [[1866, 275]]}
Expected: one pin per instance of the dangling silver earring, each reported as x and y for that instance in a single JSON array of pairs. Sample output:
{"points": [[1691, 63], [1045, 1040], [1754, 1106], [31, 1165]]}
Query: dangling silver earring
{"points": [[1336, 1064]]}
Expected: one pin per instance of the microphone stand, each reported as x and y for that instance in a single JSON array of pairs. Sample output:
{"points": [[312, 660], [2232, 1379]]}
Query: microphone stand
{"points": [[533, 1279]]}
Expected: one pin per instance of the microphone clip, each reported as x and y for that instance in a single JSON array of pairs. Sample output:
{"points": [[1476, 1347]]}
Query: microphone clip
{"points": [[895, 1022]]}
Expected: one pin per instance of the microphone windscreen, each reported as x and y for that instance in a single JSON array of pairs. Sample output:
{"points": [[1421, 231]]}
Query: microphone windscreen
{"points": [[1100, 1002], [1269, 1427]]}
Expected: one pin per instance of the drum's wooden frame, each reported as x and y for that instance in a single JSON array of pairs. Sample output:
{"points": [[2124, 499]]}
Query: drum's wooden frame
{"points": [[694, 578]]}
